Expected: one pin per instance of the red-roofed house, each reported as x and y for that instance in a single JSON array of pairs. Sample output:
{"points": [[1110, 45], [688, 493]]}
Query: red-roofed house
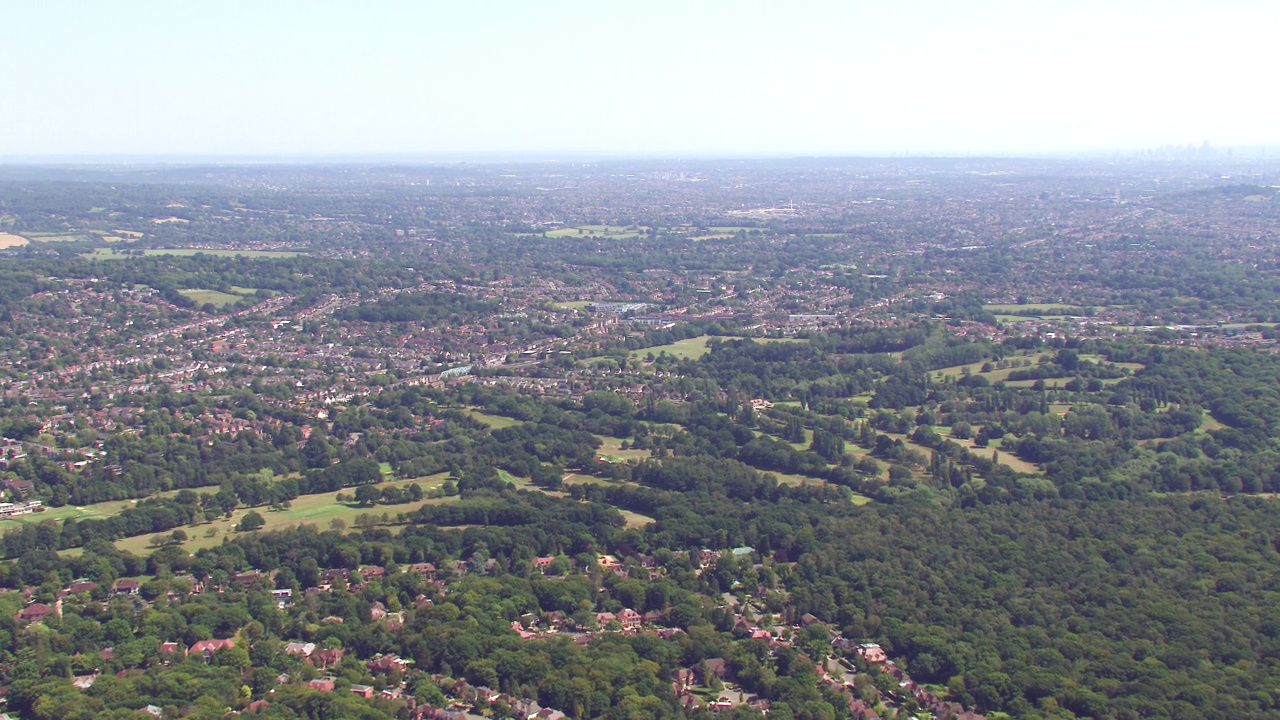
{"points": [[33, 613], [209, 647]]}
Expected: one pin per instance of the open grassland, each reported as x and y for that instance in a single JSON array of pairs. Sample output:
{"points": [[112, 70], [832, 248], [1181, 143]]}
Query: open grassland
{"points": [[571, 304], [1028, 307], [611, 450], [1007, 458], [58, 237], [96, 511], [634, 519], [694, 348], [1209, 423], [493, 421], [957, 371], [213, 297], [319, 510], [614, 232], [691, 348], [798, 480], [9, 240], [114, 254]]}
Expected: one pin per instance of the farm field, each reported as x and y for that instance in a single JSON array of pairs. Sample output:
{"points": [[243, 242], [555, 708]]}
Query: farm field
{"points": [[9, 240]]}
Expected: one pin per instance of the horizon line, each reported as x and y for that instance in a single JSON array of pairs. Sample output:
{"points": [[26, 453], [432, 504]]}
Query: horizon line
{"points": [[406, 158]]}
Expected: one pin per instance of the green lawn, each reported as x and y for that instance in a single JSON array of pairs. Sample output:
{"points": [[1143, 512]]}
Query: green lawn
{"points": [[635, 519], [571, 304], [692, 348], [87, 512], [214, 297], [611, 450], [493, 421], [57, 237], [318, 510], [1028, 307], [615, 232]]}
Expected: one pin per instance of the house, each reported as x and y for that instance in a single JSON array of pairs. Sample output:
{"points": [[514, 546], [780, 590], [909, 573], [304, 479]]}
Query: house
{"points": [[33, 613], [364, 691], [329, 576], [630, 619], [247, 579], [126, 587], [321, 684], [20, 488], [683, 679], [872, 652], [209, 647], [326, 658], [81, 586], [543, 564], [719, 668], [84, 682], [170, 648], [283, 597], [369, 573], [427, 569], [387, 663], [305, 649]]}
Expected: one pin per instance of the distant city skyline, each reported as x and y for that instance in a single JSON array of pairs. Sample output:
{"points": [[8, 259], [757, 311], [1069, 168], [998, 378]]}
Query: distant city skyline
{"points": [[297, 80]]}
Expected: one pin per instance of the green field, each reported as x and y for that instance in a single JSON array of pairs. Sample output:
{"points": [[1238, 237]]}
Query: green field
{"points": [[571, 305], [694, 348], [957, 371], [87, 512], [1028, 307], [493, 421], [635, 519], [611, 450], [213, 297], [57, 237], [614, 232], [319, 510], [114, 254]]}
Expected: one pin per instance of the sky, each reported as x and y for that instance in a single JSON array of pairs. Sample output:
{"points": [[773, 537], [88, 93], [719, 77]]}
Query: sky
{"points": [[695, 78]]}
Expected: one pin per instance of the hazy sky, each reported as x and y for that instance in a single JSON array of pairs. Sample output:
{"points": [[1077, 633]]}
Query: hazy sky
{"points": [[638, 78]]}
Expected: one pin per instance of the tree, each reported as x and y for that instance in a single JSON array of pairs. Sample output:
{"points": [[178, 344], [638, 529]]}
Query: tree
{"points": [[252, 520], [367, 495]]}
